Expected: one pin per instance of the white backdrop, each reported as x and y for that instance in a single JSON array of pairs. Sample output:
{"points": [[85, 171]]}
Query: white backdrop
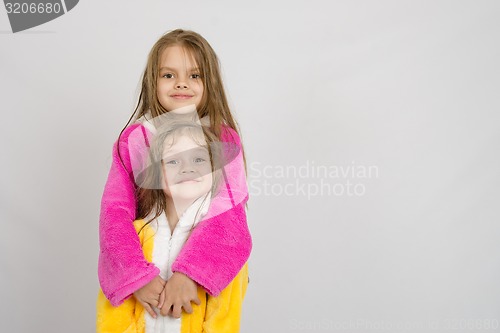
{"points": [[372, 134]]}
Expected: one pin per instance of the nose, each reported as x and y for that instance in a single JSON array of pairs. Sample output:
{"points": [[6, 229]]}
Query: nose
{"points": [[187, 170], [181, 83], [187, 167]]}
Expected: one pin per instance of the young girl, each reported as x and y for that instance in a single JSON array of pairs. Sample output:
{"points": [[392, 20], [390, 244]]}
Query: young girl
{"points": [[175, 191], [182, 71]]}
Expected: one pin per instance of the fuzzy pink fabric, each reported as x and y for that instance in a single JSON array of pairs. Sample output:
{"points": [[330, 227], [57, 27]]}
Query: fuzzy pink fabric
{"points": [[213, 255]]}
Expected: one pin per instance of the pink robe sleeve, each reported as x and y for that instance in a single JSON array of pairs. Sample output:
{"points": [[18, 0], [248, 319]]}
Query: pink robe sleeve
{"points": [[122, 268], [215, 252]]}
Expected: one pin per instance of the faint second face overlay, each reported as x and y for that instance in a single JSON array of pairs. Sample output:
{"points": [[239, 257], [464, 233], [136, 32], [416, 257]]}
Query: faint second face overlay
{"points": [[179, 154], [25, 15], [310, 179], [186, 169]]}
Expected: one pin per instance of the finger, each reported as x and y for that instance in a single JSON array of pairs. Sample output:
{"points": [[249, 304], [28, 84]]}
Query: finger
{"points": [[161, 300], [187, 307], [150, 310], [177, 311], [165, 309], [155, 301], [196, 300]]}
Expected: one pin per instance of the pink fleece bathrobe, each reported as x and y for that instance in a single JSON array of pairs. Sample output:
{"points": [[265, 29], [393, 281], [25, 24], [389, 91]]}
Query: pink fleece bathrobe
{"points": [[214, 253]]}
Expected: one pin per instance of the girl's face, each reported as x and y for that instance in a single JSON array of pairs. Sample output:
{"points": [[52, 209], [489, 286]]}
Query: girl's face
{"points": [[186, 169], [179, 82]]}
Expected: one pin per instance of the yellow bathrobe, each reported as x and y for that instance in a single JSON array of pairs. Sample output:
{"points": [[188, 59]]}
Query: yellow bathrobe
{"points": [[215, 314]]}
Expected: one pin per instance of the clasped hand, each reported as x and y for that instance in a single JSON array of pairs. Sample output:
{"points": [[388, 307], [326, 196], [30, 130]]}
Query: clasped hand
{"points": [[170, 297]]}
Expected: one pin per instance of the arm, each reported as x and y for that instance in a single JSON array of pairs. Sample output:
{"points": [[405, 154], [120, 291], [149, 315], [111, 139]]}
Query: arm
{"points": [[220, 245], [223, 313], [122, 268]]}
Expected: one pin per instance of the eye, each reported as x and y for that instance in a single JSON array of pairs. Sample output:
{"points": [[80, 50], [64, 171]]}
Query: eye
{"points": [[195, 76], [171, 162], [199, 160], [168, 75]]}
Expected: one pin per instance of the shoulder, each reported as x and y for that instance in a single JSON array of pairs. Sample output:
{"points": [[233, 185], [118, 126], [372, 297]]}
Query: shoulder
{"points": [[134, 140], [228, 134], [130, 131]]}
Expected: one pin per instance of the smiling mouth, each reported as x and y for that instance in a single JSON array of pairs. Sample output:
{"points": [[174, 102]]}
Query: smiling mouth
{"points": [[181, 96], [188, 181]]}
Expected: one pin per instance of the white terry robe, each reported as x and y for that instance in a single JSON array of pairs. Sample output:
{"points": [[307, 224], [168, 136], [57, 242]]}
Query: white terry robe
{"points": [[166, 248]]}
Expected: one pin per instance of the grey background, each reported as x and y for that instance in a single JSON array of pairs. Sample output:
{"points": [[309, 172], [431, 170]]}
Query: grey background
{"points": [[409, 87]]}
